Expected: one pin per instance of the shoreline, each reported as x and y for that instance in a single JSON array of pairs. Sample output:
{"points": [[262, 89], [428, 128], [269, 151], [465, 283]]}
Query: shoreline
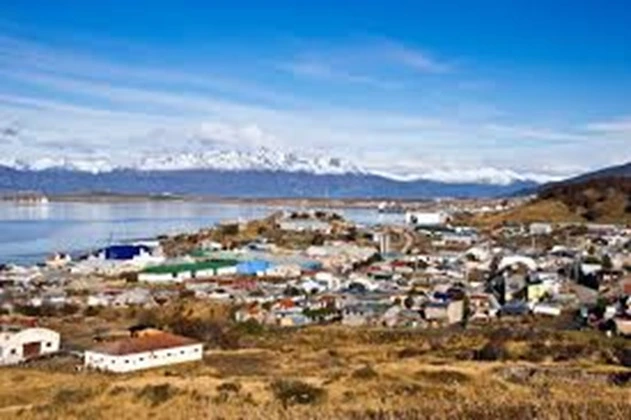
{"points": [[315, 202]]}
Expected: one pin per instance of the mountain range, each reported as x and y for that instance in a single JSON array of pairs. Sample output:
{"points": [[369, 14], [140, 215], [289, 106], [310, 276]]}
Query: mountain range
{"points": [[261, 173]]}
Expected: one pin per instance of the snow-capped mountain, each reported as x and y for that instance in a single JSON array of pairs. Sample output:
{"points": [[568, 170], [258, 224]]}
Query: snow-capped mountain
{"points": [[271, 160], [490, 176], [221, 160], [260, 160]]}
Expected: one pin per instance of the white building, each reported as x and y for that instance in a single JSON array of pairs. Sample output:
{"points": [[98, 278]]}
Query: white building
{"points": [[418, 218], [540, 228], [143, 350], [178, 273], [20, 344], [305, 225]]}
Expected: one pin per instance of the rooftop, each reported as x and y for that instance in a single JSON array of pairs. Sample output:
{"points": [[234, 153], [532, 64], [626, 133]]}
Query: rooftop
{"points": [[146, 342]]}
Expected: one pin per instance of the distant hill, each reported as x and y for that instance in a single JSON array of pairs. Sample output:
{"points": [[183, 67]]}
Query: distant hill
{"points": [[602, 199], [619, 171], [243, 184]]}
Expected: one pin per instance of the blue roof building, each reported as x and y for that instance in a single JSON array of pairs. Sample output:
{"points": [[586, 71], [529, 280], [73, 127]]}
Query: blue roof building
{"points": [[124, 252], [253, 267]]}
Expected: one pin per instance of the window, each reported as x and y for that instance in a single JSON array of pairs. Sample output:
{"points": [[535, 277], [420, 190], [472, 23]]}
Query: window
{"points": [[126, 360], [14, 351], [49, 344]]}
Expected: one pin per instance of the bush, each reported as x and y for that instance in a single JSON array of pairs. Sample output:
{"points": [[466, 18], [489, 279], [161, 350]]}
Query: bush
{"points": [[491, 352], [290, 392], [71, 396], [366, 372], [229, 387], [157, 394]]}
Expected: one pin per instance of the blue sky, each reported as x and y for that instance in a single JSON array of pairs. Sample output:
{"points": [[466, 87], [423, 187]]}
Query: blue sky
{"points": [[418, 87]]}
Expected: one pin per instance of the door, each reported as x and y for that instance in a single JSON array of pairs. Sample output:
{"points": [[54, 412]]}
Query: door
{"points": [[31, 349]]}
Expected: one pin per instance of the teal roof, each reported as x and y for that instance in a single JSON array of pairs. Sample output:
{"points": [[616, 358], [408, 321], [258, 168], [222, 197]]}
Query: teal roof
{"points": [[196, 266]]}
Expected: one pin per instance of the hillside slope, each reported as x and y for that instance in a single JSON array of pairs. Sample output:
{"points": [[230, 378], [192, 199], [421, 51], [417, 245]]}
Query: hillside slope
{"points": [[601, 200]]}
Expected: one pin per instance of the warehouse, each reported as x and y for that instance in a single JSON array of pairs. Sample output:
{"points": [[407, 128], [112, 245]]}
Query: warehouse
{"points": [[178, 273], [19, 344], [143, 349]]}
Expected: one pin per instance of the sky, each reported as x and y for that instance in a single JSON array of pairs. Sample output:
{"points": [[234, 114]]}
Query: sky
{"points": [[405, 87]]}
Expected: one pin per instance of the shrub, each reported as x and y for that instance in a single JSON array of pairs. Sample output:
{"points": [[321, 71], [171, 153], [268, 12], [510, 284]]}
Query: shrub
{"points": [[290, 392], [157, 394], [71, 396], [366, 372], [492, 351], [229, 387], [447, 377]]}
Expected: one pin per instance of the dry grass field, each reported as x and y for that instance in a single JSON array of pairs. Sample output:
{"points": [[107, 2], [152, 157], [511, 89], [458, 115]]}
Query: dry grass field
{"points": [[515, 370]]}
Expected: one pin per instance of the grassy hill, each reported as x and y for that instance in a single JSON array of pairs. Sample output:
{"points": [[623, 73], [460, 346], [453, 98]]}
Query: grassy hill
{"points": [[602, 200], [513, 369]]}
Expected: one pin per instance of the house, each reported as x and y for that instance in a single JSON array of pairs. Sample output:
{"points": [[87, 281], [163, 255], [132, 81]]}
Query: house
{"points": [[58, 260], [18, 344], [483, 306], [362, 313], [144, 349], [447, 312], [397, 316], [132, 297]]}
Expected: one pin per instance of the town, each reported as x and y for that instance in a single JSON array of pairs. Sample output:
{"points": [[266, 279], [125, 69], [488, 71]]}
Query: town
{"points": [[296, 269]]}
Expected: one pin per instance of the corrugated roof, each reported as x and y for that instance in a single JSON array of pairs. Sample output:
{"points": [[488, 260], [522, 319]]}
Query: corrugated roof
{"points": [[144, 343]]}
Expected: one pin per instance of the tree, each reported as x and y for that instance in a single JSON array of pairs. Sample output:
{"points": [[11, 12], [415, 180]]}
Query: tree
{"points": [[607, 264]]}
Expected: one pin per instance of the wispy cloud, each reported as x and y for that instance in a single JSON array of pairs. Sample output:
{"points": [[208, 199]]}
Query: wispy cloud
{"points": [[543, 135], [618, 126], [325, 71], [374, 62], [414, 58]]}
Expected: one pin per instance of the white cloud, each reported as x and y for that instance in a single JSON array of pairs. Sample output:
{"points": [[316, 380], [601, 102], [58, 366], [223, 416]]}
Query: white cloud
{"points": [[118, 110]]}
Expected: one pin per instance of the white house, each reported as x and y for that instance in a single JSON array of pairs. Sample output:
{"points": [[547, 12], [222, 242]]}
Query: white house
{"points": [[143, 350], [20, 344]]}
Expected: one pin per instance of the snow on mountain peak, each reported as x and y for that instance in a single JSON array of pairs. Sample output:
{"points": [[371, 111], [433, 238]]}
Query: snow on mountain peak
{"points": [[223, 160], [234, 160], [264, 159]]}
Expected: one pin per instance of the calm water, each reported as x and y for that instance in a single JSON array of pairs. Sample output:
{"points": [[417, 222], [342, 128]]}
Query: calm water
{"points": [[29, 233]]}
